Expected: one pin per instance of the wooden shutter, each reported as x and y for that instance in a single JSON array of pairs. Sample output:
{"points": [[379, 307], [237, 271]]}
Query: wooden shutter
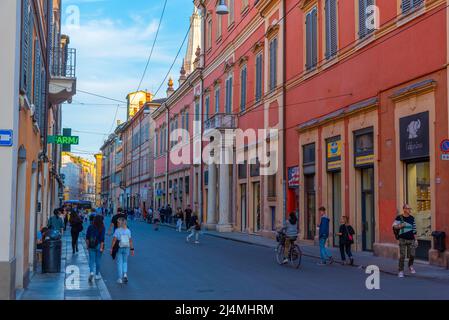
{"points": [[314, 38], [275, 50], [362, 18], [333, 27], [217, 100], [243, 89], [259, 77], [207, 107], [406, 5], [308, 41], [37, 82]]}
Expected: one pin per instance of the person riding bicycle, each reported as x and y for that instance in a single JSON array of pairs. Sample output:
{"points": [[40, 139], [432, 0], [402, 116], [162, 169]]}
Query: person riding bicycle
{"points": [[290, 230]]}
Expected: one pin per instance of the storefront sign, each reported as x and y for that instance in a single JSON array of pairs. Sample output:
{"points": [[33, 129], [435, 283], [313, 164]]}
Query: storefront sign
{"points": [[293, 177], [67, 140], [414, 136], [364, 160], [334, 154], [6, 138]]}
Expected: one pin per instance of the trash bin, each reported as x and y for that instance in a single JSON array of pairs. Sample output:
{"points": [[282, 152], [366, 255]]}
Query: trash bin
{"points": [[51, 253], [439, 238]]}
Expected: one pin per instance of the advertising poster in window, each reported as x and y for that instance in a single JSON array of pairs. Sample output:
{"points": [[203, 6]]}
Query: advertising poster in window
{"points": [[414, 136]]}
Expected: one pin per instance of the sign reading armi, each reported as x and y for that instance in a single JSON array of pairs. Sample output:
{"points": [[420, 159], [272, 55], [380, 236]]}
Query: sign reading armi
{"points": [[67, 140]]}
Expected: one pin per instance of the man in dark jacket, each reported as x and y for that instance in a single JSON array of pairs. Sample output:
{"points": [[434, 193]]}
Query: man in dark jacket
{"points": [[323, 235], [188, 216]]}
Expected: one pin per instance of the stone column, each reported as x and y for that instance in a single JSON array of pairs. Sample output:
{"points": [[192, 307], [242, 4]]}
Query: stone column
{"points": [[212, 198], [224, 224]]}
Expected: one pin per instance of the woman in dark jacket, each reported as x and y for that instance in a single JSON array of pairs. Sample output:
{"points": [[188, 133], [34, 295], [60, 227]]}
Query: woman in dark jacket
{"points": [[76, 225], [346, 234]]}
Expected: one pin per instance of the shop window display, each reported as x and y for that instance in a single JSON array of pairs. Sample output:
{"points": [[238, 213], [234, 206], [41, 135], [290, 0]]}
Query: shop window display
{"points": [[419, 197]]}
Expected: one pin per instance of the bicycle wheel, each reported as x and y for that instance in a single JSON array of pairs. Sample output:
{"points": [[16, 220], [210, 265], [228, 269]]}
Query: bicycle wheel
{"points": [[280, 254], [295, 256]]}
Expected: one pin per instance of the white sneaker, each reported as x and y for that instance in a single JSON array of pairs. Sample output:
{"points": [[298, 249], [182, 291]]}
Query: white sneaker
{"points": [[401, 274], [98, 277], [197, 242], [412, 270], [119, 281], [91, 277]]}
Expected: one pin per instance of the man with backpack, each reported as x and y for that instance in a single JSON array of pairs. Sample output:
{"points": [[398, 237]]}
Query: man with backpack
{"points": [[404, 228]]}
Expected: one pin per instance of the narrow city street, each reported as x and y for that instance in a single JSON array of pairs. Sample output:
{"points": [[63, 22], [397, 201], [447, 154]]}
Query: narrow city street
{"points": [[165, 267]]}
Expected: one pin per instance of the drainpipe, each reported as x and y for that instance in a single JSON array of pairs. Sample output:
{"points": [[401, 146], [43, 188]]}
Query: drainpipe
{"points": [[202, 65], [284, 102]]}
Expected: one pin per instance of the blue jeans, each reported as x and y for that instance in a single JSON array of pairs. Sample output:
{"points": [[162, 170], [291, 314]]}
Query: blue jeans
{"points": [[324, 253], [95, 260], [122, 261]]}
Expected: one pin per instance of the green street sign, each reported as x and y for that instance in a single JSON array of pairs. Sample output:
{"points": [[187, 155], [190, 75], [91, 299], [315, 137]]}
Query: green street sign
{"points": [[64, 140]]}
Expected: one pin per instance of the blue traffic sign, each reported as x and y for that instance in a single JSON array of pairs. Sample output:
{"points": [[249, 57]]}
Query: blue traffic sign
{"points": [[6, 138], [445, 146]]}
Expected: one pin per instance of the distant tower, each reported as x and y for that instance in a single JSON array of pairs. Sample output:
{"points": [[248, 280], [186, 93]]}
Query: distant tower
{"points": [[194, 42], [170, 88]]}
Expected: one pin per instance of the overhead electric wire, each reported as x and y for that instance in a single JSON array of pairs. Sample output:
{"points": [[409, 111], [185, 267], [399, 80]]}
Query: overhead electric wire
{"points": [[152, 49]]}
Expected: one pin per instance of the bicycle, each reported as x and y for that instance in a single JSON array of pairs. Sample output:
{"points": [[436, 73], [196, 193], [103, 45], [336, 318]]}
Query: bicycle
{"points": [[294, 253]]}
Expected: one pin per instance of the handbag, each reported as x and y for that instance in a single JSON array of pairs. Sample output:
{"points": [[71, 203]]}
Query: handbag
{"points": [[350, 237]]}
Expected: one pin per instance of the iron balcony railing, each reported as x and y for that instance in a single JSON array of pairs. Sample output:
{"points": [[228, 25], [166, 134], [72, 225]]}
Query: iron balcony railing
{"points": [[221, 121], [63, 62]]}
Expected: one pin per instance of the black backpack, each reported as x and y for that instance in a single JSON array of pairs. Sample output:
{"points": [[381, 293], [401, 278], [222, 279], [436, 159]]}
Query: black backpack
{"points": [[397, 231], [93, 240]]}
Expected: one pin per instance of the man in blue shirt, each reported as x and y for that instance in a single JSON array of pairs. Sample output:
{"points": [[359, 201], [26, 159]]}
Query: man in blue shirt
{"points": [[323, 235]]}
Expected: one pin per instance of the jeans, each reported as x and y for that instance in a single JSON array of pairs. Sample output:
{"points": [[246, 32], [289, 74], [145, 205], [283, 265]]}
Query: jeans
{"points": [[345, 247], [75, 236], [406, 248], [95, 260], [195, 233], [122, 262], [324, 253]]}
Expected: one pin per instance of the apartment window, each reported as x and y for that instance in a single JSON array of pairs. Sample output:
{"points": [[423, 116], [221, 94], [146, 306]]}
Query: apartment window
{"points": [[27, 46], [197, 111], [311, 39], [187, 121], [243, 78], [156, 137], [271, 186], [228, 104], [244, 4], [217, 99], [259, 73], [410, 5], [242, 170], [273, 63], [209, 34], [219, 26], [231, 7], [331, 28], [207, 106], [363, 16]]}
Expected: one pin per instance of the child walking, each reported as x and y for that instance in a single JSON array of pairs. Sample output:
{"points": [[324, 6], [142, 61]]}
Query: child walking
{"points": [[346, 234]]}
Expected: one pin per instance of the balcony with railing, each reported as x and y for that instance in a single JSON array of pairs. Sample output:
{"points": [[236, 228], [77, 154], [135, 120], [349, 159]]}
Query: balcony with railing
{"points": [[62, 74], [221, 121]]}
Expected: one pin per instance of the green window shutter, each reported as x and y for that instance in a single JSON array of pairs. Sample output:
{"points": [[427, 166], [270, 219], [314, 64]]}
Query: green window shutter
{"points": [[308, 41], [314, 38]]}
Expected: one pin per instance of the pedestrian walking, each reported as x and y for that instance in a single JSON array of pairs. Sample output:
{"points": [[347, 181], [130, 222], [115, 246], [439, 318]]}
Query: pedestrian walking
{"points": [[95, 236], [56, 222], [169, 213], [156, 219], [188, 216], [76, 226], [346, 236], [291, 234], [323, 231], [162, 212], [194, 229], [114, 221], [404, 227], [126, 247], [179, 220]]}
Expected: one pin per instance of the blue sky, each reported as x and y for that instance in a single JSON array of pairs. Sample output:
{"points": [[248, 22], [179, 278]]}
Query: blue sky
{"points": [[113, 42]]}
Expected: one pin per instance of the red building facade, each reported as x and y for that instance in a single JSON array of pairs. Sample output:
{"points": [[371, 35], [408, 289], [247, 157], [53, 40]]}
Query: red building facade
{"points": [[368, 109]]}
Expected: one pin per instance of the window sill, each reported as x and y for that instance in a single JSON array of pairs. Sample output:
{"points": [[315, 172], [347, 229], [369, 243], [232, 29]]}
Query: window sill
{"points": [[244, 10], [366, 40], [311, 72], [412, 14]]}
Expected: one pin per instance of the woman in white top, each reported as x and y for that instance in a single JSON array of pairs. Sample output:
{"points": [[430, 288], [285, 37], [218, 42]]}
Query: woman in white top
{"points": [[122, 238]]}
